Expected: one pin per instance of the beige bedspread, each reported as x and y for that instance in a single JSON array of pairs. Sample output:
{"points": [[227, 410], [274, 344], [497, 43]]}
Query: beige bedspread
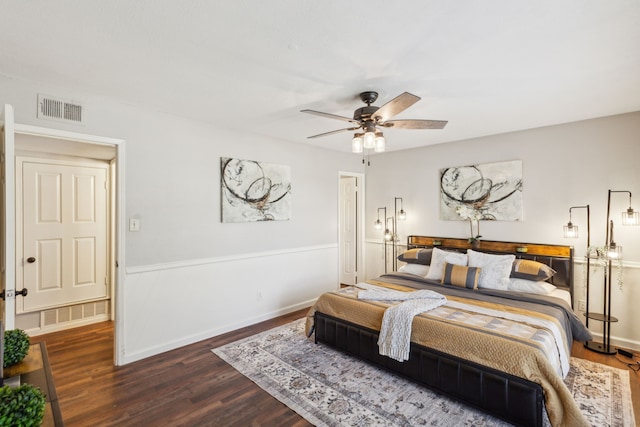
{"points": [[489, 347]]}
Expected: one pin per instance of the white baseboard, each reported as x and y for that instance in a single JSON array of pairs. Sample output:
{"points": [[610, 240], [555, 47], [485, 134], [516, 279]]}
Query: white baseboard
{"points": [[33, 332], [139, 355]]}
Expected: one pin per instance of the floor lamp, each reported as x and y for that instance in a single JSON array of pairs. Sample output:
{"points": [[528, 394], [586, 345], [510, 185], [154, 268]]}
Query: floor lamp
{"points": [[612, 251], [400, 215], [391, 231], [378, 226], [571, 232]]}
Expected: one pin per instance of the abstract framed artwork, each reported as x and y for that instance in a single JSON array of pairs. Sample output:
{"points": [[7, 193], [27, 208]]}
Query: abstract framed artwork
{"points": [[492, 191], [254, 191]]}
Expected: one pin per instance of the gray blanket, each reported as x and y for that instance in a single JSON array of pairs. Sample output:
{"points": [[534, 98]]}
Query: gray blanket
{"points": [[559, 309]]}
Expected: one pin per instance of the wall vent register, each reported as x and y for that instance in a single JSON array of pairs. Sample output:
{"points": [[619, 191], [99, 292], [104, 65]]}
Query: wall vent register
{"points": [[57, 109]]}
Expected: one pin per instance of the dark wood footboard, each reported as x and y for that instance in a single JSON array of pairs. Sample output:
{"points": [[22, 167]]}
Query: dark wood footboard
{"points": [[513, 399]]}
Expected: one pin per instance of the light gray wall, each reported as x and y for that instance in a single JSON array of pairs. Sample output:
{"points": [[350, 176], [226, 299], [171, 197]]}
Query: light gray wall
{"points": [[173, 179], [189, 276], [566, 165]]}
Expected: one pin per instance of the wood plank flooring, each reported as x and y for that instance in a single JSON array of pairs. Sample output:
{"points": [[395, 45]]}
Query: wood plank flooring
{"points": [[189, 386]]}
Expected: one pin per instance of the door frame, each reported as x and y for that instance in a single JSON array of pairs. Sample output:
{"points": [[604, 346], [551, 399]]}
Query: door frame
{"points": [[360, 229], [118, 209]]}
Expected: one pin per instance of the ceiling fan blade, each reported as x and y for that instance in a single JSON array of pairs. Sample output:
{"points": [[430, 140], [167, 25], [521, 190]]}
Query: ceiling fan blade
{"points": [[395, 106], [330, 116], [332, 132], [415, 124]]}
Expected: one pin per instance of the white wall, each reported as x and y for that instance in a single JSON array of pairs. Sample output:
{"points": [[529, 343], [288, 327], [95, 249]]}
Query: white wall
{"points": [[189, 276], [566, 165]]}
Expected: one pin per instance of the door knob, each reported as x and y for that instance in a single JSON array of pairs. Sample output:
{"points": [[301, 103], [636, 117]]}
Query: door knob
{"points": [[31, 260], [4, 295]]}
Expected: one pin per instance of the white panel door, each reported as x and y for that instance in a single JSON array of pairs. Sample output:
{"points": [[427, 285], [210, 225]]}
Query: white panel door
{"points": [[348, 230], [7, 219], [64, 214]]}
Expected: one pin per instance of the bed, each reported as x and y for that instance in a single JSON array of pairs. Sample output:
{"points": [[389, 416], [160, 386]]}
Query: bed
{"points": [[498, 343]]}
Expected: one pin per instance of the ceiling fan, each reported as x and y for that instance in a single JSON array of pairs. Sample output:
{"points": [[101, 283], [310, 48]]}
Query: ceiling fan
{"points": [[368, 119]]}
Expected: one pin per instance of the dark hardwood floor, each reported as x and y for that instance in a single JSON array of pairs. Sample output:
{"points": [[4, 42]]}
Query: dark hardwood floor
{"points": [[189, 386]]}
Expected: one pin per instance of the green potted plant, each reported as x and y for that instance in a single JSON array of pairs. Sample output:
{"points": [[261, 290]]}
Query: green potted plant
{"points": [[21, 406], [16, 346]]}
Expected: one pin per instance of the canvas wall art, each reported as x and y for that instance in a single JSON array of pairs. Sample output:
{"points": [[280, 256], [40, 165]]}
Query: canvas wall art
{"points": [[254, 191], [487, 192]]}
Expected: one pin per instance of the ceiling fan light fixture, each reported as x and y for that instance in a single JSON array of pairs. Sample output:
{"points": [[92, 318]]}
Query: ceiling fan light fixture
{"points": [[380, 143], [356, 143], [367, 120]]}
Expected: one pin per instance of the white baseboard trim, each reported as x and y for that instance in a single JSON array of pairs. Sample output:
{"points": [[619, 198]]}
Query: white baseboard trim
{"points": [[618, 342], [153, 351], [33, 332]]}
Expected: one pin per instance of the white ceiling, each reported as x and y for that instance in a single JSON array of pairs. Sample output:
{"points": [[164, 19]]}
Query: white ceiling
{"points": [[487, 67]]}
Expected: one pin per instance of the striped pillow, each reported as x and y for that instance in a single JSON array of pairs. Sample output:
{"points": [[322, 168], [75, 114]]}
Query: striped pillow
{"points": [[459, 275], [531, 270], [416, 256]]}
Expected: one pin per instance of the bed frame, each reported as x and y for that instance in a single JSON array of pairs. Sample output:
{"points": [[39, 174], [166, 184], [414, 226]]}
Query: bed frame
{"points": [[505, 396]]}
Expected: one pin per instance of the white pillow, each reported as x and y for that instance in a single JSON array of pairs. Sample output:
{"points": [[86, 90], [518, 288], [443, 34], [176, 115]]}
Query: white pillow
{"points": [[530, 286], [495, 269], [438, 260], [415, 269]]}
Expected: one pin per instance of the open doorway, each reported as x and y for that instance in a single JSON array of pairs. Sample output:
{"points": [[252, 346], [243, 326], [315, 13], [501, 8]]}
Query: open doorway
{"points": [[51, 146], [351, 228]]}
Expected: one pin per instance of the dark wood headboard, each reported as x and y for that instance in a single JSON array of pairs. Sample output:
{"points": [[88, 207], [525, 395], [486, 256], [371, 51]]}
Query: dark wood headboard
{"points": [[558, 257]]}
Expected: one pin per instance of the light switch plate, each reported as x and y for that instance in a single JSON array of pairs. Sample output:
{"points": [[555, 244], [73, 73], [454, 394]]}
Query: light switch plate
{"points": [[134, 224]]}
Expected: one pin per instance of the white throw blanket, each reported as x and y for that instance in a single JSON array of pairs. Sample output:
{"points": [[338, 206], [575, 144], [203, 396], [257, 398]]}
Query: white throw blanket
{"points": [[395, 332]]}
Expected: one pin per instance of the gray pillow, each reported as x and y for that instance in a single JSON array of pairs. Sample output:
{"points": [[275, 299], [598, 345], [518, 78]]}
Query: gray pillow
{"points": [[531, 270], [416, 256]]}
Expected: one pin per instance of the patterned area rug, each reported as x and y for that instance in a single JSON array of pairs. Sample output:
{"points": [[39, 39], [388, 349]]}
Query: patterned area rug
{"points": [[329, 388]]}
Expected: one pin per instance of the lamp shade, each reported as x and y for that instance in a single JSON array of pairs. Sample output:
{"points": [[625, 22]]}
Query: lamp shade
{"points": [[614, 251], [378, 224], [380, 143], [402, 215], [629, 217], [356, 143], [369, 140], [571, 231]]}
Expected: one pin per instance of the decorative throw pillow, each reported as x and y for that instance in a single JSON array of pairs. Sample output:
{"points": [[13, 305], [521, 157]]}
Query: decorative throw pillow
{"points": [[530, 286], [458, 275], [439, 258], [531, 270], [415, 269], [495, 269], [416, 256]]}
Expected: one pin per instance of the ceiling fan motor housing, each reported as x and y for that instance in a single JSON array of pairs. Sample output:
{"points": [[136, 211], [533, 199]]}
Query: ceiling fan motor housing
{"points": [[364, 113]]}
